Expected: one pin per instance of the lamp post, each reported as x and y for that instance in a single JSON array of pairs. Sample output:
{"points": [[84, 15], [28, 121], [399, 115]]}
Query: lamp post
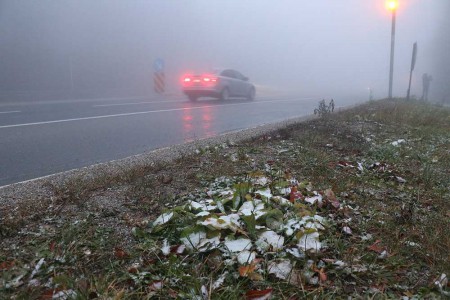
{"points": [[392, 5]]}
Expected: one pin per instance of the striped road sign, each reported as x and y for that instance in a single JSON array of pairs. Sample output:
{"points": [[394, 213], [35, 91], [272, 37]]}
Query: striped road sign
{"points": [[159, 82]]}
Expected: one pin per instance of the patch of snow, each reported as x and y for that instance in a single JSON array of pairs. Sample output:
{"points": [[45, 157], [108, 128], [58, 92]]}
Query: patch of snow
{"points": [[366, 237], [219, 282], [165, 247], [398, 142], [261, 181], [360, 167]]}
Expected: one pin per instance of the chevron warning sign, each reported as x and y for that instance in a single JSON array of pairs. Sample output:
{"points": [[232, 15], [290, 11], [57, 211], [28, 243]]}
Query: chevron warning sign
{"points": [[159, 82], [159, 78]]}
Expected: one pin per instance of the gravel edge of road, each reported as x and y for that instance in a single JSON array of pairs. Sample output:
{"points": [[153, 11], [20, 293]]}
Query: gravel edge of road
{"points": [[38, 188]]}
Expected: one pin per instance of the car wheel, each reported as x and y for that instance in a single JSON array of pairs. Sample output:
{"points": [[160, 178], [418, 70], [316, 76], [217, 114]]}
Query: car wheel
{"points": [[225, 94], [251, 94], [193, 97]]}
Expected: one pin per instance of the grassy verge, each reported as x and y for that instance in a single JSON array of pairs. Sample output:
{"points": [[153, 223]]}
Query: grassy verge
{"points": [[377, 178]]}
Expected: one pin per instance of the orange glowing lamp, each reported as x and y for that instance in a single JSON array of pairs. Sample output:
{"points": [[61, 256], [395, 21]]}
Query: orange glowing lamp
{"points": [[392, 5]]}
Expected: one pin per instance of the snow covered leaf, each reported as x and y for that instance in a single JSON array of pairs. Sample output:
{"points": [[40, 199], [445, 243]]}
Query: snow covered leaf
{"points": [[205, 293], [246, 257], [266, 193], [310, 241], [280, 268], [177, 249], [269, 241], [295, 252], [347, 230], [193, 240], [205, 205], [206, 244], [259, 295], [237, 245], [280, 200], [203, 214], [400, 179], [312, 200], [163, 219], [224, 222], [156, 285], [254, 207]]}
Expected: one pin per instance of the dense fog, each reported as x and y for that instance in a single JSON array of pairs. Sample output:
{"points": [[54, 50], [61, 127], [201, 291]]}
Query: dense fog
{"points": [[85, 48]]}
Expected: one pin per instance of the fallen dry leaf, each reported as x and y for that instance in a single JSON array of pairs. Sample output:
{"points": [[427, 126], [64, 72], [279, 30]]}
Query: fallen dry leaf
{"points": [[244, 271], [6, 265], [156, 285], [375, 247], [120, 253], [259, 295], [294, 195]]}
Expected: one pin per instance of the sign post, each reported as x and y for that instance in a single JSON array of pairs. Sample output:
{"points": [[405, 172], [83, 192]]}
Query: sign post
{"points": [[413, 64], [159, 77]]}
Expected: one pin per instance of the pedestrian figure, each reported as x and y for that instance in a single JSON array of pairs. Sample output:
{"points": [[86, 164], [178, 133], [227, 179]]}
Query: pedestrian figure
{"points": [[426, 80], [332, 105]]}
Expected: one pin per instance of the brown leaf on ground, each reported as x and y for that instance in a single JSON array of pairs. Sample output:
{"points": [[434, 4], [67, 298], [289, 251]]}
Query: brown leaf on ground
{"points": [[244, 271], [376, 247], [259, 295], [6, 265], [120, 253]]}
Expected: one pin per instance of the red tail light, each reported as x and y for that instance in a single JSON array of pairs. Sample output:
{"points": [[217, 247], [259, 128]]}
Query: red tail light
{"points": [[187, 80], [209, 79]]}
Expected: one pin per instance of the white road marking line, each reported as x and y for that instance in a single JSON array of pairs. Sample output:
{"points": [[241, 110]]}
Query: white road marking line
{"points": [[144, 112], [135, 103], [10, 112]]}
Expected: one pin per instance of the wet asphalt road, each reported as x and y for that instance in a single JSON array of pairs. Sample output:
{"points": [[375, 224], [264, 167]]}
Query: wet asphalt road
{"points": [[43, 138]]}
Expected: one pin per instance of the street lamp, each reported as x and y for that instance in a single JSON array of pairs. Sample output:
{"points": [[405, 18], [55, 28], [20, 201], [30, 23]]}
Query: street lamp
{"points": [[392, 5]]}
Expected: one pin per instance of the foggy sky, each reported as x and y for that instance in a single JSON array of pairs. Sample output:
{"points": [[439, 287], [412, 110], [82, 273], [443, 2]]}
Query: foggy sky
{"points": [[323, 47]]}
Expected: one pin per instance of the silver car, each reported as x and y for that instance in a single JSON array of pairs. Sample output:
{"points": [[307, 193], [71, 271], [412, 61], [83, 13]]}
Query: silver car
{"points": [[221, 84]]}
